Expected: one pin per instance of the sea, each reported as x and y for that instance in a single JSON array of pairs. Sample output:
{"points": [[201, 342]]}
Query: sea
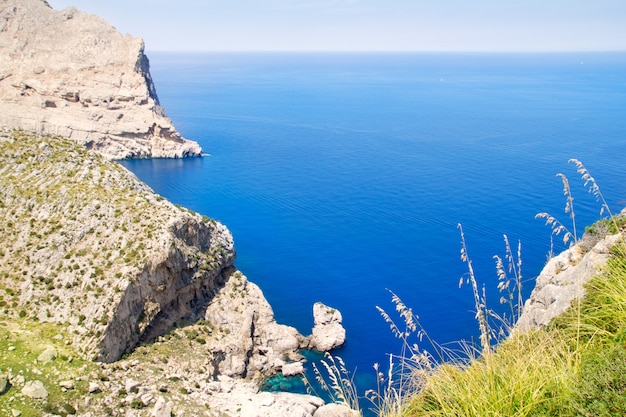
{"points": [[344, 176]]}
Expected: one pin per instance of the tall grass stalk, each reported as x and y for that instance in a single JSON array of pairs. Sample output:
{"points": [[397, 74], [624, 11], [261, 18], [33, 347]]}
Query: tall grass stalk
{"points": [[594, 189], [509, 273], [480, 303], [557, 227], [399, 380], [555, 224], [336, 381], [519, 379]]}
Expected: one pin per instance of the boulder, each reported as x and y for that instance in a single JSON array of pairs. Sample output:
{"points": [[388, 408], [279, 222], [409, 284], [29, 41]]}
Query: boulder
{"points": [[4, 384], [47, 355], [328, 332], [131, 385], [335, 410], [35, 389], [292, 369], [94, 388], [162, 408], [67, 385], [281, 404]]}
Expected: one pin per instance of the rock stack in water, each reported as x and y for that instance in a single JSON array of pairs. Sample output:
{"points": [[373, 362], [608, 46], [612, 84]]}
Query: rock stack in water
{"points": [[71, 73]]}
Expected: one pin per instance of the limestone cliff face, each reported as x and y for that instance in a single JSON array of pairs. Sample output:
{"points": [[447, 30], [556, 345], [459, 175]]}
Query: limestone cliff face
{"points": [[562, 281], [71, 73], [86, 244]]}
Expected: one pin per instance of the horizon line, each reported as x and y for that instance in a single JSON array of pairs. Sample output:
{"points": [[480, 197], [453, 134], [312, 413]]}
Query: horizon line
{"points": [[383, 51]]}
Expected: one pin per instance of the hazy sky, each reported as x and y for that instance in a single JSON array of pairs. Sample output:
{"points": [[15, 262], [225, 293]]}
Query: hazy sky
{"points": [[366, 25]]}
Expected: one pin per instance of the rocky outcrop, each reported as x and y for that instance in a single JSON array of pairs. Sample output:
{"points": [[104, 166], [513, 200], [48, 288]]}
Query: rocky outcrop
{"points": [[71, 73], [328, 332], [252, 343], [562, 280], [335, 410], [280, 404]]}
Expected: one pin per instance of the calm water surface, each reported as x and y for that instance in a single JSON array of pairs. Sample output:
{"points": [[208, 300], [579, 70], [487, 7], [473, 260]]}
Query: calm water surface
{"points": [[343, 176]]}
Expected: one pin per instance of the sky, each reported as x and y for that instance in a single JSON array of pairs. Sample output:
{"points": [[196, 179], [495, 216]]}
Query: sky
{"points": [[366, 25]]}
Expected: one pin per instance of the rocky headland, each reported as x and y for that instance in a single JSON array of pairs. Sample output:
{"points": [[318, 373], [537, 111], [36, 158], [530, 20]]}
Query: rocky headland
{"points": [[114, 301], [129, 280], [71, 73]]}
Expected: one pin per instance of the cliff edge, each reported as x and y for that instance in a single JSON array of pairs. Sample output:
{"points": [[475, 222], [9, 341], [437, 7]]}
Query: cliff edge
{"points": [[563, 279], [89, 245], [121, 276], [70, 73]]}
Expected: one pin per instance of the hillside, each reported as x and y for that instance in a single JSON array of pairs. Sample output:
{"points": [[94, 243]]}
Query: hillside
{"points": [[98, 267], [564, 357]]}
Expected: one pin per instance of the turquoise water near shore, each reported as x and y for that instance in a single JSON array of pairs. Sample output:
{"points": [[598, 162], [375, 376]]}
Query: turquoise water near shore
{"points": [[343, 176]]}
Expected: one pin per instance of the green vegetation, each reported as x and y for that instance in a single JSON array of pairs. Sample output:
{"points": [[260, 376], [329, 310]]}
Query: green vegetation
{"points": [[21, 342], [574, 367]]}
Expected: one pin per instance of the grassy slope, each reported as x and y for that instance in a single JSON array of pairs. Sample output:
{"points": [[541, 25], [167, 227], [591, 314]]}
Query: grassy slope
{"points": [[576, 366], [21, 342]]}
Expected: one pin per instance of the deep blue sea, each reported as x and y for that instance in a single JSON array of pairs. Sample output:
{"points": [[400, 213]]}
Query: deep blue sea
{"points": [[343, 176]]}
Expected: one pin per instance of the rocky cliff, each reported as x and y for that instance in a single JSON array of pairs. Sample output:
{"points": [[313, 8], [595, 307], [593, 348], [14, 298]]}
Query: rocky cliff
{"points": [[563, 278], [92, 246], [71, 73], [117, 270]]}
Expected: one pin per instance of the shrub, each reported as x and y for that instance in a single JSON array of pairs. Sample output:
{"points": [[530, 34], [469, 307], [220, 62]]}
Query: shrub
{"points": [[136, 404]]}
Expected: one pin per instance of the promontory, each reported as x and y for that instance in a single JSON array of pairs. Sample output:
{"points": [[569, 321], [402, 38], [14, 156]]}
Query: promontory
{"points": [[73, 74]]}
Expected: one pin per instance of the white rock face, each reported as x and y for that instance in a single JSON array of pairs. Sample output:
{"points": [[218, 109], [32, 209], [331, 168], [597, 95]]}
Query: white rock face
{"points": [[281, 404], [328, 332], [71, 73], [253, 344], [561, 281], [335, 410], [35, 389]]}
